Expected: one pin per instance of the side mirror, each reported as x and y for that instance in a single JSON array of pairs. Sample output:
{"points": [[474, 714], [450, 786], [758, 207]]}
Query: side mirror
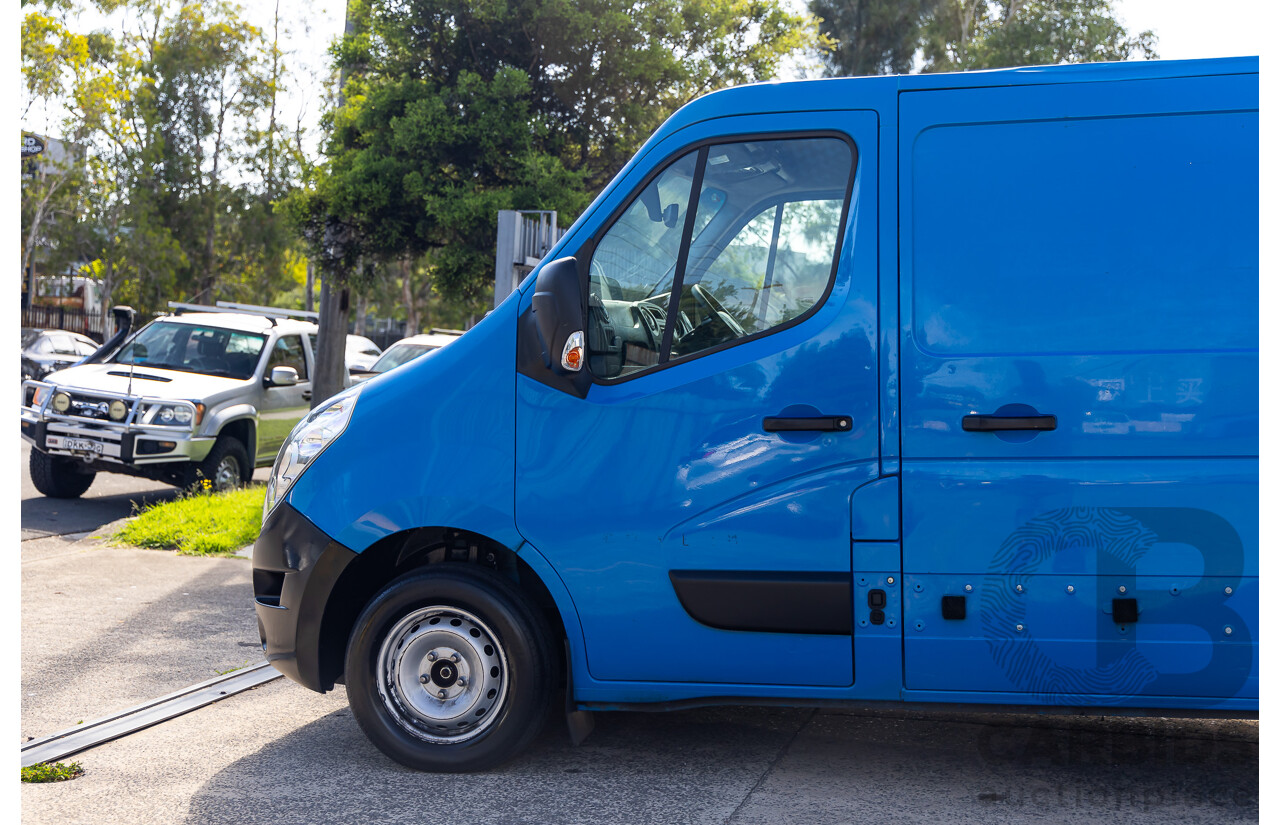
{"points": [[282, 377], [559, 314]]}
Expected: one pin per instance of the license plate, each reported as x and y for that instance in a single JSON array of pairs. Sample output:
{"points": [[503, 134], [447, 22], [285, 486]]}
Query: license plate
{"points": [[82, 445]]}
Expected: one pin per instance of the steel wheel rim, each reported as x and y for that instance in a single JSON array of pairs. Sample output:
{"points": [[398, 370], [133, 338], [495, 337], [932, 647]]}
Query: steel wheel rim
{"points": [[436, 650], [228, 473]]}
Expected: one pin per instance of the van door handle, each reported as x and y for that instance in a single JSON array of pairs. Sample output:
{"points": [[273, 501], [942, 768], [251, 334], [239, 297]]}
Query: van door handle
{"points": [[817, 423], [976, 423], [306, 395]]}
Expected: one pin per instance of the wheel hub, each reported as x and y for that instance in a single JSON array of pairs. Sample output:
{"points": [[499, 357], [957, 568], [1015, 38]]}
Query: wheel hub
{"points": [[442, 674]]}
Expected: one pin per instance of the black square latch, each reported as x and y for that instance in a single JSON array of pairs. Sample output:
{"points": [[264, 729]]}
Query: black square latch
{"points": [[876, 599], [953, 607], [1124, 611]]}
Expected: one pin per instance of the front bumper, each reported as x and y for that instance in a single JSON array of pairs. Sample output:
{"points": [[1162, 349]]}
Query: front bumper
{"points": [[129, 442], [295, 568]]}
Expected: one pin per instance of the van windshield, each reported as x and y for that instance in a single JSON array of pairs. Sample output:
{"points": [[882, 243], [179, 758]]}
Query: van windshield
{"points": [[194, 348]]}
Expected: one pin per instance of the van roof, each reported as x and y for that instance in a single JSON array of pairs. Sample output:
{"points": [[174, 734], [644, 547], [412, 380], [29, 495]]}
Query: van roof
{"points": [[807, 95]]}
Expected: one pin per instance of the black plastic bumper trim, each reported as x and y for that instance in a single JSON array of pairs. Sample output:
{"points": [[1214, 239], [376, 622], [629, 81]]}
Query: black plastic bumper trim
{"points": [[767, 601], [301, 560]]}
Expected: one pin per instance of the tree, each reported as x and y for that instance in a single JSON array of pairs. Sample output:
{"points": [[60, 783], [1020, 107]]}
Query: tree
{"points": [[456, 110], [871, 36], [185, 157], [974, 34], [883, 36]]}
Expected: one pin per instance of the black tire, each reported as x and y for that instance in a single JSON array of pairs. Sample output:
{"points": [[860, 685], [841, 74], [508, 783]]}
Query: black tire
{"points": [[58, 477], [521, 641], [226, 450]]}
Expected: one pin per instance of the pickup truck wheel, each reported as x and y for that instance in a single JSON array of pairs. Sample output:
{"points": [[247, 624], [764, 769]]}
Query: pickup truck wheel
{"points": [[58, 477], [450, 669], [225, 467]]}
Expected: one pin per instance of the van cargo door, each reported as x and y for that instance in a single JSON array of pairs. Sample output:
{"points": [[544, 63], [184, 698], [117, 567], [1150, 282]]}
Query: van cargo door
{"points": [[1079, 281]]}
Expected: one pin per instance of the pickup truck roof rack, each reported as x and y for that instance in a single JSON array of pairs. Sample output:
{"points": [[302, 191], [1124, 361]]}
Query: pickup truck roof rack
{"points": [[271, 313]]}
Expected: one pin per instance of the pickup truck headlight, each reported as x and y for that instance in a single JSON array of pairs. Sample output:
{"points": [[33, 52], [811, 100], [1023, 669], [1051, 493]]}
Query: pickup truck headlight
{"points": [[174, 414], [318, 430]]}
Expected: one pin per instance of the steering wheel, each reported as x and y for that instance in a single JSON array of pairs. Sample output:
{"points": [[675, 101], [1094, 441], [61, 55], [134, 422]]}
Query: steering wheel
{"points": [[712, 303]]}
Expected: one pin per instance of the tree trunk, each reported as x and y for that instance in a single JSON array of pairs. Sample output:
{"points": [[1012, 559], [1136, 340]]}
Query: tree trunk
{"points": [[335, 298], [410, 306], [331, 342], [311, 286], [362, 310]]}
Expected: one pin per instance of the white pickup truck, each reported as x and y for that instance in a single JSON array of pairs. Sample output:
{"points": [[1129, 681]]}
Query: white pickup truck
{"points": [[203, 395]]}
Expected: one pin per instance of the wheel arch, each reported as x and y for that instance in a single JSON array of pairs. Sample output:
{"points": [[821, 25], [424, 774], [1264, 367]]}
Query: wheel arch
{"points": [[244, 430], [398, 553]]}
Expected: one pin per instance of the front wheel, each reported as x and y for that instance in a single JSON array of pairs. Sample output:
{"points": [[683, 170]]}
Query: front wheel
{"points": [[58, 477], [226, 467], [450, 669]]}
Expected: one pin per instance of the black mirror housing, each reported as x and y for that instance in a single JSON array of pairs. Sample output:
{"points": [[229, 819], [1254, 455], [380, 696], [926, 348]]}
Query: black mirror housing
{"points": [[558, 309]]}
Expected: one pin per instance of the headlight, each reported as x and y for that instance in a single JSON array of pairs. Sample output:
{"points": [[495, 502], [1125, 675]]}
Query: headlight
{"points": [[174, 414], [309, 438]]}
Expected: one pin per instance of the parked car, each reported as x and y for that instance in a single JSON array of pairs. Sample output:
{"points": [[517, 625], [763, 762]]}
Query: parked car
{"points": [[940, 388], [406, 350], [201, 396], [48, 350], [361, 353]]}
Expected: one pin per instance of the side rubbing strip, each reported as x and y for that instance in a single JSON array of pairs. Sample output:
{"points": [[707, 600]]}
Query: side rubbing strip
{"points": [[767, 602]]}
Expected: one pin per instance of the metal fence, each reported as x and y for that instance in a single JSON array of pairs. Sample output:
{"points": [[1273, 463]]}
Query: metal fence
{"points": [[73, 319]]}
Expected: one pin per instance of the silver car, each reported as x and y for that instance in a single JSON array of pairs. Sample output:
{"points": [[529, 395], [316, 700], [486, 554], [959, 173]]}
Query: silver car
{"points": [[192, 399]]}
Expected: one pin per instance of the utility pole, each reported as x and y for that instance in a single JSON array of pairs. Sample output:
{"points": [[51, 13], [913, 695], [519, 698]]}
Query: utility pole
{"points": [[335, 295]]}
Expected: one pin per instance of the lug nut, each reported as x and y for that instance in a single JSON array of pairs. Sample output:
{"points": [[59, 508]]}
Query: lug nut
{"points": [[440, 694], [424, 678], [431, 657], [462, 682], [454, 657]]}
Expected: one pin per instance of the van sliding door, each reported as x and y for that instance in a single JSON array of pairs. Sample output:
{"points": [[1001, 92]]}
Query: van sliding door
{"points": [[1079, 280]]}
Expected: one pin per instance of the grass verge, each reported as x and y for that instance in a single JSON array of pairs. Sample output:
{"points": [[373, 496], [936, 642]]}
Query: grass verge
{"points": [[199, 525], [57, 772]]}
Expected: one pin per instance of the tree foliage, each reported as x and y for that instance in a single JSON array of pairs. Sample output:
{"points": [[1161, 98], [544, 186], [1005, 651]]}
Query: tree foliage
{"points": [[885, 36], [179, 174], [456, 110]]}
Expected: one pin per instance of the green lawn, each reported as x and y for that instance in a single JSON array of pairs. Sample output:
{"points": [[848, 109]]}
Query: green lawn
{"points": [[199, 525]]}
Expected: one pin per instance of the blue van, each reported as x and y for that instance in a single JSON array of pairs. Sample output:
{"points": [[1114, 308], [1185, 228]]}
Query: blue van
{"points": [[927, 389]]}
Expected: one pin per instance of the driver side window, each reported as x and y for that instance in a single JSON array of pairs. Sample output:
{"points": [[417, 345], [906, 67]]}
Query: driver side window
{"points": [[288, 353], [632, 272], [759, 251]]}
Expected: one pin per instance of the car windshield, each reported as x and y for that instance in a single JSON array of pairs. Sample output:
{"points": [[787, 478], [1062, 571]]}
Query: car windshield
{"points": [[194, 348], [400, 354]]}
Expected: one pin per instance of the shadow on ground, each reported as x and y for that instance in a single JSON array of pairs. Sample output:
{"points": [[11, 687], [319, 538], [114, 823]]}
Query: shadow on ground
{"points": [[764, 765]]}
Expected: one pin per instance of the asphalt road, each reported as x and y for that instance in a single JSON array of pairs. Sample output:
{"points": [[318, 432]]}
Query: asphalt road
{"points": [[110, 498]]}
